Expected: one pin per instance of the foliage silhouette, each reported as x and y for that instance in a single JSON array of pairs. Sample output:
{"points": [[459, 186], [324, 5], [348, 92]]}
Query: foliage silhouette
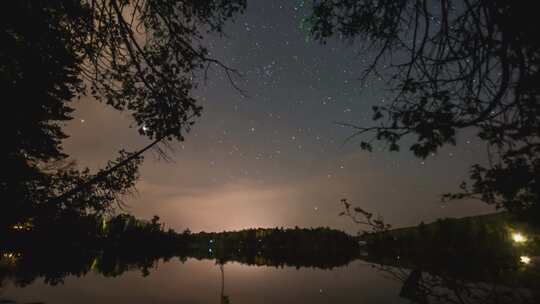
{"points": [[362, 217], [453, 65], [143, 57]]}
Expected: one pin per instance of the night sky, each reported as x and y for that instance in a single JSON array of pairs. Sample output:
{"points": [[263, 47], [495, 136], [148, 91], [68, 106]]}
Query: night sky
{"points": [[276, 157]]}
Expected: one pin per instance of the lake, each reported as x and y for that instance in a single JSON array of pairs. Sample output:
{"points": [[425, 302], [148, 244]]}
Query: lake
{"points": [[427, 265], [200, 281]]}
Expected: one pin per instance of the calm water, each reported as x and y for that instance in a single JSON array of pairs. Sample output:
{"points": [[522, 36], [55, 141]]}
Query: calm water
{"points": [[201, 281]]}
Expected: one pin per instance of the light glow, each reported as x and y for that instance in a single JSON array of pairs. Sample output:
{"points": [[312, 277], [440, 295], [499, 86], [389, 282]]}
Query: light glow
{"points": [[518, 237], [525, 259], [22, 226]]}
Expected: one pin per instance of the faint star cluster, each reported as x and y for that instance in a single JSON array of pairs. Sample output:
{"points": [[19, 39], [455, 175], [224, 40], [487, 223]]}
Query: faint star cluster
{"points": [[282, 132]]}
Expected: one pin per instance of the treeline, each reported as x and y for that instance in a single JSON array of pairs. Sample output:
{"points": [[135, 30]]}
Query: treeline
{"points": [[442, 235], [473, 245], [76, 245], [299, 247], [123, 243], [125, 232], [121, 232]]}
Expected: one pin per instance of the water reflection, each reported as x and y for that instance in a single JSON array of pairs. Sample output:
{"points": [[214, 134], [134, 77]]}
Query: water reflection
{"points": [[199, 281], [420, 286], [459, 262], [53, 266], [224, 298], [444, 262], [28, 276]]}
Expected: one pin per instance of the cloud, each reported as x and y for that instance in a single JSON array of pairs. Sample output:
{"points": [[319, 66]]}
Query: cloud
{"points": [[234, 205]]}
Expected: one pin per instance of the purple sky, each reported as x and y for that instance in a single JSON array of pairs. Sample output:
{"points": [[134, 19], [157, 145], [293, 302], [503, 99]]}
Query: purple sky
{"points": [[276, 157]]}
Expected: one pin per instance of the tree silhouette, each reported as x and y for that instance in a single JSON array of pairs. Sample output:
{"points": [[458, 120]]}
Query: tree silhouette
{"points": [[362, 217], [453, 65], [140, 56]]}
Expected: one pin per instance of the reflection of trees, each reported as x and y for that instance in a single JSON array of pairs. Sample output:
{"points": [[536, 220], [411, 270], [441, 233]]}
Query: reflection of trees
{"points": [[320, 247], [426, 286], [224, 299], [54, 264], [124, 243], [423, 283], [470, 260], [432, 265]]}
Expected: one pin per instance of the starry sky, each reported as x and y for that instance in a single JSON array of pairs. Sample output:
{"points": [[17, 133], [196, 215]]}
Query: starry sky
{"points": [[276, 157]]}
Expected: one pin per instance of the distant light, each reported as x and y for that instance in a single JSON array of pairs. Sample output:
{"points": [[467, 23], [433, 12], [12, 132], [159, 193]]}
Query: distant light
{"points": [[11, 256], [525, 259], [518, 237], [24, 226], [210, 250]]}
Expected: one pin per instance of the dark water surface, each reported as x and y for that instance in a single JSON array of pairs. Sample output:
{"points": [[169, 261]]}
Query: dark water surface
{"points": [[200, 281]]}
